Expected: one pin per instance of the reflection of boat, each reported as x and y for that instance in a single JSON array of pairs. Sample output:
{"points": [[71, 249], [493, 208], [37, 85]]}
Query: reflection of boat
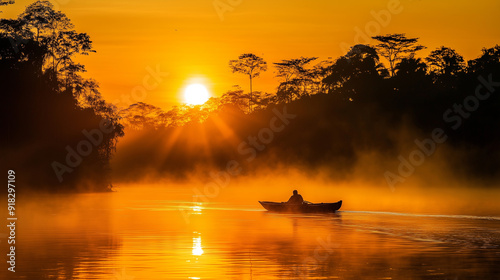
{"points": [[301, 208]]}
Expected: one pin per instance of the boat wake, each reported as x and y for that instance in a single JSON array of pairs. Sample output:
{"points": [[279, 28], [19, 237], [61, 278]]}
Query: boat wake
{"points": [[490, 218]]}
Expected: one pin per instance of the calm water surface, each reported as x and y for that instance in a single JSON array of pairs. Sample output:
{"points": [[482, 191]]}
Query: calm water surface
{"points": [[123, 235]]}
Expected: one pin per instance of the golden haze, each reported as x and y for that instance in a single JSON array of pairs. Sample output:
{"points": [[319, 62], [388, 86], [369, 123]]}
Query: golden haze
{"points": [[190, 41]]}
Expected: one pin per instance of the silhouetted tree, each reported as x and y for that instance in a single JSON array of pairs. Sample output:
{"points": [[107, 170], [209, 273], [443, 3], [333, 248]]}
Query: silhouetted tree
{"points": [[296, 77], [286, 92], [54, 30], [394, 47], [41, 18], [316, 76], [235, 98], [50, 105], [445, 61], [411, 67], [141, 116], [293, 68], [355, 74], [487, 63], [446, 65], [263, 99], [411, 78], [251, 65]]}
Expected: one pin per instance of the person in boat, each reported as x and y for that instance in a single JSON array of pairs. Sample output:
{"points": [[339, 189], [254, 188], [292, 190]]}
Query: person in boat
{"points": [[296, 198]]}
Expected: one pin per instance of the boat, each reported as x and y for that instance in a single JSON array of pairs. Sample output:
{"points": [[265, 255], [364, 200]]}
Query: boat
{"points": [[306, 207]]}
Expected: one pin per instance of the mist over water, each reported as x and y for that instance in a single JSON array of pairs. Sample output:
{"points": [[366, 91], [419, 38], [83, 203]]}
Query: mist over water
{"points": [[161, 232], [101, 191], [432, 189], [323, 142]]}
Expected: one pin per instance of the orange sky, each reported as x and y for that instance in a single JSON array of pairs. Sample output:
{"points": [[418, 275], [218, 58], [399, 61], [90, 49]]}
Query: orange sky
{"points": [[193, 42]]}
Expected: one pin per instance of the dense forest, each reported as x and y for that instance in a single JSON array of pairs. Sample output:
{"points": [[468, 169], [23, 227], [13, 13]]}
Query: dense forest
{"points": [[61, 134], [344, 109]]}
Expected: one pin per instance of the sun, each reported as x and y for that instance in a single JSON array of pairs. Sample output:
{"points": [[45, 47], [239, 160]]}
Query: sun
{"points": [[196, 94]]}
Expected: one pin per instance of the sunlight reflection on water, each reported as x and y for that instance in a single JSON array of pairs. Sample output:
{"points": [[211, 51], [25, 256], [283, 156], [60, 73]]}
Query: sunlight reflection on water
{"points": [[123, 236], [197, 249]]}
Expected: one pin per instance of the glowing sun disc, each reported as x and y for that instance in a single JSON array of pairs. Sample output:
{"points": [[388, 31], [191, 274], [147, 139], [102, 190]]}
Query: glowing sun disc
{"points": [[196, 94]]}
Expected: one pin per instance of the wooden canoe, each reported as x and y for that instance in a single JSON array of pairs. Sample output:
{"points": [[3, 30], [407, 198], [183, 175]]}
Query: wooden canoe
{"points": [[301, 208]]}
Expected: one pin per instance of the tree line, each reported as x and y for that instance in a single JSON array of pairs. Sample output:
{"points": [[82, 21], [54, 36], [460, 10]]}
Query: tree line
{"points": [[358, 76], [346, 108], [48, 104]]}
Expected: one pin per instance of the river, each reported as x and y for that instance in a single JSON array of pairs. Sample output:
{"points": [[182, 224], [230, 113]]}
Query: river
{"points": [[165, 235]]}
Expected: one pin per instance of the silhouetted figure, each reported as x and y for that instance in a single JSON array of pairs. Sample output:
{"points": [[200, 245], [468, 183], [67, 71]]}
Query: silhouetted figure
{"points": [[296, 198]]}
